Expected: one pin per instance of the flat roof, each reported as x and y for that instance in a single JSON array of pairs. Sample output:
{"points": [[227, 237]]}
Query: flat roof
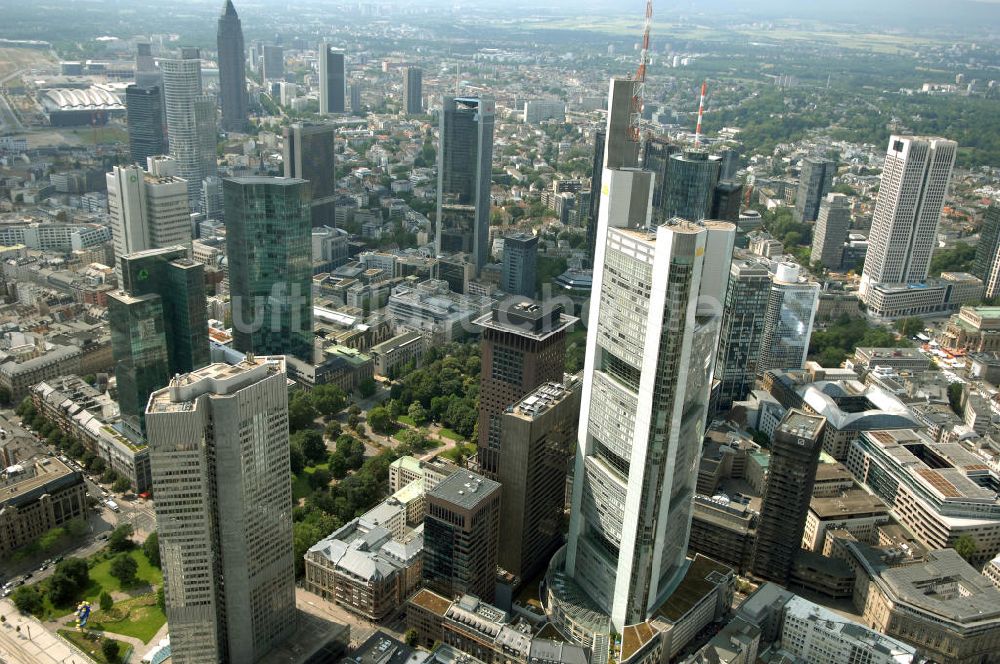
{"points": [[856, 503], [464, 489], [42, 476], [431, 601]]}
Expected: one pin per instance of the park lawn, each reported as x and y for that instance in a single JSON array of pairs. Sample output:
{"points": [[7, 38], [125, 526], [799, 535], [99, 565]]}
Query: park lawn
{"points": [[406, 419], [101, 580], [300, 483], [93, 648], [448, 433], [138, 617]]}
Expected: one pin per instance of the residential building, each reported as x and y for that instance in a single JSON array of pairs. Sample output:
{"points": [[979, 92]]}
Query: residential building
{"points": [[644, 406], [465, 169], [147, 211], [523, 346], [744, 315], [218, 442], [190, 121], [690, 185], [915, 179], [795, 448], [537, 111], [788, 320], [310, 154], [268, 245], [144, 119], [538, 438], [815, 182], [232, 70], [520, 258], [833, 221], [461, 536], [413, 90], [332, 80], [38, 495]]}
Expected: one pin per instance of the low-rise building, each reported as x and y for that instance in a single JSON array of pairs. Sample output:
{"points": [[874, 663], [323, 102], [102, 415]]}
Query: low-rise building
{"points": [[18, 375], [407, 469], [901, 360], [942, 295], [723, 530], [35, 497], [856, 511], [430, 307], [400, 351], [972, 329]]}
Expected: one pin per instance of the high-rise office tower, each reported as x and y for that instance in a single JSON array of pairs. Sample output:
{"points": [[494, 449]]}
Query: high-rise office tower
{"points": [[788, 321], [986, 265], [523, 345], [159, 326], [656, 157], [272, 63], [413, 91], [914, 182], [187, 121], [218, 448], [144, 117], [690, 186], [465, 170], [310, 155], [651, 344], [795, 448], [211, 198], [743, 318], [520, 259], [146, 73], [830, 233], [147, 211], [730, 162], [269, 247], [597, 170], [727, 198], [356, 106], [332, 80], [815, 182], [538, 438], [461, 536], [232, 70]]}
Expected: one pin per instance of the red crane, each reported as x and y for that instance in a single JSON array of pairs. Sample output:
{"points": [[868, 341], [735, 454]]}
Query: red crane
{"points": [[635, 116]]}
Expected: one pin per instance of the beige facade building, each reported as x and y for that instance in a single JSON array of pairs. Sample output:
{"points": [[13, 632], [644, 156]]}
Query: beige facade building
{"points": [[38, 496]]}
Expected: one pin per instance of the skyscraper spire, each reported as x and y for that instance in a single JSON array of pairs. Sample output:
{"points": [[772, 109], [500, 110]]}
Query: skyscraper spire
{"points": [[232, 70]]}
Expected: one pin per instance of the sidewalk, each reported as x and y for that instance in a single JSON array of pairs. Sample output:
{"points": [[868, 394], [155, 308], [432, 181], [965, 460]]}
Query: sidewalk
{"points": [[42, 647]]}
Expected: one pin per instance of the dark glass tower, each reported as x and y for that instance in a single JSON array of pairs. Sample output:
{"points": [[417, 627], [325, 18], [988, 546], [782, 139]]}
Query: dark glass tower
{"points": [[815, 182], [159, 326], [465, 170], [656, 157], [520, 260], [413, 91], [743, 320], [989, 244], [310, 155], [596, 171], [795, 449], [146, 128], [332, 80], [691, 179], [726, 200], [232, 70], [269, 247]]}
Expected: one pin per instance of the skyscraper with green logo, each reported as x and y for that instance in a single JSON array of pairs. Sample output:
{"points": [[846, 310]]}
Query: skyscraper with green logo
{"points": [[159, 326], [269, 249]]}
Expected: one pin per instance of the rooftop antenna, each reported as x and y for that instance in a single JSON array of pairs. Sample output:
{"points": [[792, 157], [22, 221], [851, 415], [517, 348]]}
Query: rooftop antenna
{"points": [[639, 85], [701, 112]]}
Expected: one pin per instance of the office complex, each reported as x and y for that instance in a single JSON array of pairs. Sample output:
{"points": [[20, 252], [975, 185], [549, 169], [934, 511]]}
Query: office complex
{"points": [[332, 80], [269, 247], [656, 153], [651, 343], [830, 232], [907, 210], [147, 211], [272, 63], [815, 182], [144, 117], [159, 327], [190, 121], [727, 201], [42, 495], [743, 319], [788, 321], [690, 185], [232, 70], [987, 264], [310, 155], [795, 448], [146, 73], [597, 170], [520, 258], [523, 345], [461, 536], [218, 442], [413, 91], [538, 438], [465, 169]]}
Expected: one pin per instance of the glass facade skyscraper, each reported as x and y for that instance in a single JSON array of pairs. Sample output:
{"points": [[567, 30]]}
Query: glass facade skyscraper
{"points": [[332, 80], [269, 248], [413, 91], [310, 154], [139, 346], [815, 182], [520, 259], [232, 69], [144, 116], [788, 322], [691, 179], [743, 318]]}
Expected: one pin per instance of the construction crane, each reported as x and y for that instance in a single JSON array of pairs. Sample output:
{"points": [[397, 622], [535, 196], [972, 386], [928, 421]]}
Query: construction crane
{"points": [[638, 87], [701, 112]]}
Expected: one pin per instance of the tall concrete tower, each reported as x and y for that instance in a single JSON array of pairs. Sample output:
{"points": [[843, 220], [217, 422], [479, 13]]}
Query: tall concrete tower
{"points": [[232, 70], [190, 121]]}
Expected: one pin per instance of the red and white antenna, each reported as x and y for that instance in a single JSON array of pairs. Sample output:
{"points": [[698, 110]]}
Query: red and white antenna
{"points": [[635, 114], [701, 112]]}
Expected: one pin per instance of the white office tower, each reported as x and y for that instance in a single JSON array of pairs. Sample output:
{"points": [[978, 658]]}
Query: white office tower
{"points": [[651, 344], [788, 321], [191, 121], [147, 211], [218, 448], [907, 209]]}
